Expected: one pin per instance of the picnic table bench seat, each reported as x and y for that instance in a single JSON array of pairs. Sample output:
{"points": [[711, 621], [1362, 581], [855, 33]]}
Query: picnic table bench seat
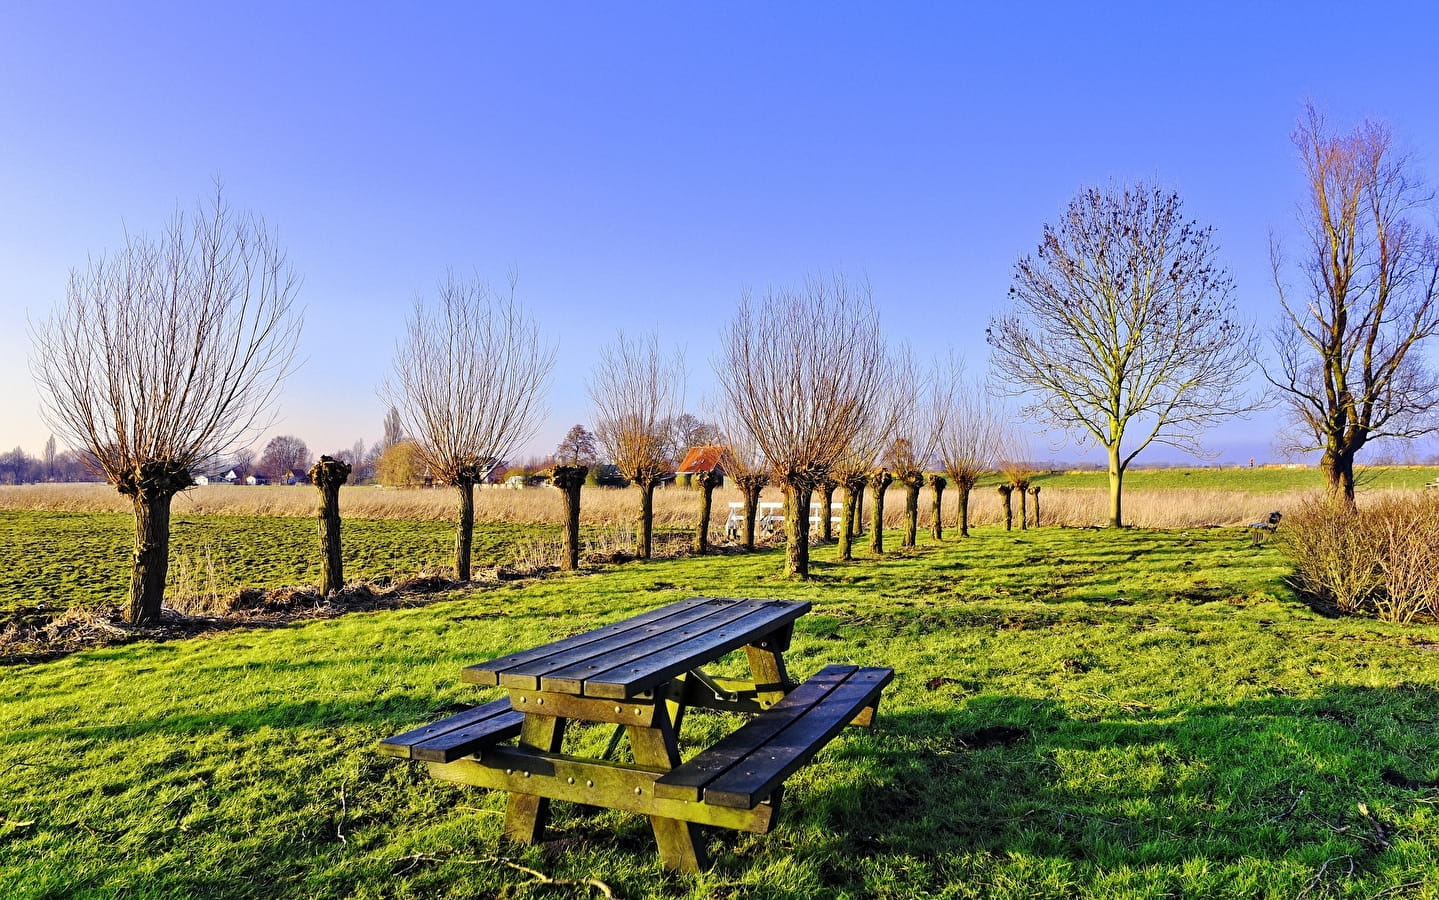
{"points": [[457, 736], [743, 769]]}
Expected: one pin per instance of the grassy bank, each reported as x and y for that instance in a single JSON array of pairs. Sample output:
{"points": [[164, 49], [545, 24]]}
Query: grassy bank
{"points": [[1077, 714]]}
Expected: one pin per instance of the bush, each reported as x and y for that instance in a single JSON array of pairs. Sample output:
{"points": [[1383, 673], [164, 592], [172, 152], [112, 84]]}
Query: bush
{"points": [[1380, 561]]}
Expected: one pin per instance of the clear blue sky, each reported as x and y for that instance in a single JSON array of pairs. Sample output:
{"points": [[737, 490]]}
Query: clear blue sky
{"points": [[639, 165]]}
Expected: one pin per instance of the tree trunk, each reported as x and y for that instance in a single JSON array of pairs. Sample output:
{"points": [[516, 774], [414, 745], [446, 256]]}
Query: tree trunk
{"points": [[465, 534], [796, 527], [1005, 491], [569, 479], [851, 490], [644, 536], [751, 489], [913, 481], [1034, 491], [1116, 489], [877, 484], [151, 489], [1338, 469], [936, 524], [826, 494], [327, 475], [151, 561], [1021, 490], [706, 482], [859, 506], [964, 486]]}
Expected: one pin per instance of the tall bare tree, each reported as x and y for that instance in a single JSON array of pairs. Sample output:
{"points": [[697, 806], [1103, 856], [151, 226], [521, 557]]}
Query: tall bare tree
{"points": [[636, 391], [745, 465], [1349, 367], [165, 356], [468, 382], [918, 421], [797, 369], [1122, 329], [970, 432]]}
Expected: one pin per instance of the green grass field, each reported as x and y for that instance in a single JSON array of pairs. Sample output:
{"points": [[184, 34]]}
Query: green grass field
{"points": [[65, 559], [1076, 714]]}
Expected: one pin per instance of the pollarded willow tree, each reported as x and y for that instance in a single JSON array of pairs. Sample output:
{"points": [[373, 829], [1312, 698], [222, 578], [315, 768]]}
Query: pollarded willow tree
{"points": [[797, 370], [1348, 347], [918, 421], [1122, 329], [164, 357], [969, 437], [637, 391], [469, 381]]}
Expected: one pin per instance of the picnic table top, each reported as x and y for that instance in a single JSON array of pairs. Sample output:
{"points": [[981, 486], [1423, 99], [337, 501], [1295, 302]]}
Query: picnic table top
{"points": [[628, 658]]}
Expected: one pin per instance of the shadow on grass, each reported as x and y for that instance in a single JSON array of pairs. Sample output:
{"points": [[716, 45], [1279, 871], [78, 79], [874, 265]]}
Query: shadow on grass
{"points": [[1278, 778]]}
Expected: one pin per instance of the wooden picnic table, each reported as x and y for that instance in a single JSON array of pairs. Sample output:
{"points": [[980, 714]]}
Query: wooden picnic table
{"points": [[641, 674]]}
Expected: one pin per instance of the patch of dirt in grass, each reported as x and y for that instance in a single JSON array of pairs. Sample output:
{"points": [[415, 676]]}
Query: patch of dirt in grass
{"points": [[38, 635]]}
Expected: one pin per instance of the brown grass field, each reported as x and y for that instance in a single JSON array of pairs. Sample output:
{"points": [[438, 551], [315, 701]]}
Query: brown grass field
{"points": [[1167, 507]]}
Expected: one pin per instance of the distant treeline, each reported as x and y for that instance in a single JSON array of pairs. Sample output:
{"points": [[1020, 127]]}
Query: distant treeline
{"points": [[19, 467]]}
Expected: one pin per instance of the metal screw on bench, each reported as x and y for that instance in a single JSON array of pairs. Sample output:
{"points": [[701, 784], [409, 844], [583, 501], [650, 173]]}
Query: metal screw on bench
{"points": [[327, 475]]}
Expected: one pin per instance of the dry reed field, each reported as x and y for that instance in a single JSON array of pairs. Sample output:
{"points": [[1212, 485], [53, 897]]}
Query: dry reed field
{"points": [[674, 506]]}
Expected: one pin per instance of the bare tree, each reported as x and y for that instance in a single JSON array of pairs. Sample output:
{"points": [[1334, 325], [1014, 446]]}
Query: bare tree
{"points": [[969, 434], [164, 357], [747, 468], [285, 455], [578, 448], [876, 422], [917, 425], [797, 369], [1123, 330], [469, 380], [636, 391], [1349, 369]]}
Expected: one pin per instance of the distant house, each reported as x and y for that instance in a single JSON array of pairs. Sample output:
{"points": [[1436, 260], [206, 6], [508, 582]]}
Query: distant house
{"points": [[202, 480], [257, 479], [230, 477], [701, 459]]}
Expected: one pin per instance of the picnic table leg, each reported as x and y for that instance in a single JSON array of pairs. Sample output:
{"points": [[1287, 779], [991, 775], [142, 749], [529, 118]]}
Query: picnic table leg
{"points": [[526, 814], [766, 665], [680, 843]]}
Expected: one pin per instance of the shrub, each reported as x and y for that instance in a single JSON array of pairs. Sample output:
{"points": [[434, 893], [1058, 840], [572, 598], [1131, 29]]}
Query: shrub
{"points": [[1378, 561]]}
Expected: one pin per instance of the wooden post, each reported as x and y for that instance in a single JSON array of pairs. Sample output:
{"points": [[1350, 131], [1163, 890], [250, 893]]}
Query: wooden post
{"points": [[1021, 488], [1005, 490], [936, 525], [1034, 492], [569, 479], [327, 475]]}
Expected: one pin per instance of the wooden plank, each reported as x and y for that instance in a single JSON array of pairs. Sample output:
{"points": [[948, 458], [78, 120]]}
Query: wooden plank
{"points": [[559, 777], [627, 678], [528, 675], [488, 672], [586, 709], [688, 781], [680, 843], [457, 735], [527, 814], [569, 673], [744, 767], [751, 779]]}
